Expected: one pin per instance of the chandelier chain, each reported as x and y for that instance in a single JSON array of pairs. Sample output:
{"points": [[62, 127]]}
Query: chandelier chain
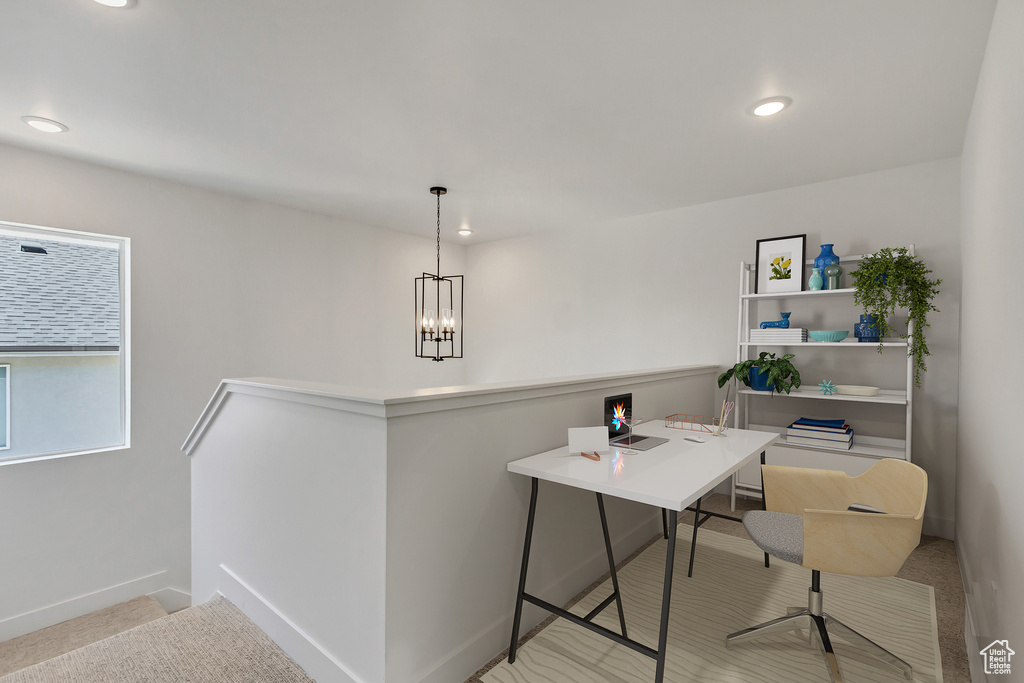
{"points": [[439, 235]]}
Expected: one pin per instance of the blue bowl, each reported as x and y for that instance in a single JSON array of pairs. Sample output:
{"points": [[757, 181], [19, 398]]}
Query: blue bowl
{"points": [[828, 335]]}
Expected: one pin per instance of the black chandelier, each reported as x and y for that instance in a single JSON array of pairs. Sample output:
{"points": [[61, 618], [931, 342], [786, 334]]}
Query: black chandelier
{"points": [[438, 307]]}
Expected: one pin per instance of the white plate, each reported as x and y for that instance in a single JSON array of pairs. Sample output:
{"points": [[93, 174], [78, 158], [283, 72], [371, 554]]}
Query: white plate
{"points": [[856, 390]]}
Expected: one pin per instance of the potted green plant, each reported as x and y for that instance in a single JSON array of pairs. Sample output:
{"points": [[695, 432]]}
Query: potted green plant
{"points": [[778, 374], [893, 279]]}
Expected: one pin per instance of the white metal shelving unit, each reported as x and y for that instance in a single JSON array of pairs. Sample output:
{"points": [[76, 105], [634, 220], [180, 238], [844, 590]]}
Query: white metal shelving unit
{"points": [[866, 448]]}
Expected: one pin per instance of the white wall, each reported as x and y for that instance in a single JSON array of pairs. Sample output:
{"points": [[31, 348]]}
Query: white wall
{"points": [[221, 287], [562, 303], [293, 485], [458, 517], [989, 504], [292, 500]]}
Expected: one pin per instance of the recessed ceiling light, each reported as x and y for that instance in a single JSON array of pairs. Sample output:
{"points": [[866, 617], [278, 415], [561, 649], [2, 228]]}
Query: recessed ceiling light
{"points": [[465, 231], [769, 106], [116, 3], [45, 125]]}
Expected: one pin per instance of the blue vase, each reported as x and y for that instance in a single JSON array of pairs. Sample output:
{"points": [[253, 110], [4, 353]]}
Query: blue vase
{"points": [[759, 380], [815, 283], [825, 258], [867, 329]]}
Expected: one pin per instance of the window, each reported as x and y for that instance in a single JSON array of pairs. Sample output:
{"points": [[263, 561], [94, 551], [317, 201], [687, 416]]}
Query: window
{"points": [[64, 342]]}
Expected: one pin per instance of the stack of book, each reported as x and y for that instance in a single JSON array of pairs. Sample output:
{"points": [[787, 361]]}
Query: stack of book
{"points": [[778, 335], [820, 434]]}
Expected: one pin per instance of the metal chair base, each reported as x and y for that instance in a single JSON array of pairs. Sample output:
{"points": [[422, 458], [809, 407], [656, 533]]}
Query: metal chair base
{"points": [[819, 623]]}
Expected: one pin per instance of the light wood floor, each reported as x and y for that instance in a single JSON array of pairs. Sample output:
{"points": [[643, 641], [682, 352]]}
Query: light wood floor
{"points": [[933, 563]]}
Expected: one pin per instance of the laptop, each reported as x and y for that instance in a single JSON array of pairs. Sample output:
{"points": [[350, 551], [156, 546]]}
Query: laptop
{"points": [[617, 407]]}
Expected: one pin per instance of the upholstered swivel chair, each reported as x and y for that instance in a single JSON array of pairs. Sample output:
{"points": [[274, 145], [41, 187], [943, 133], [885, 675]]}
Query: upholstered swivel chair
{"points": [[808, 522]]}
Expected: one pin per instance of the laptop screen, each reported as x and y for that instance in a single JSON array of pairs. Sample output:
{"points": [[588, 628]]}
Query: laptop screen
{"points": [[615, 408]]}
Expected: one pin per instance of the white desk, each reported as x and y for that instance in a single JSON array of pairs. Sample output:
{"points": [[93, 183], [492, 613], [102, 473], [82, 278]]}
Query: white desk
{"points": [[671, 476]]}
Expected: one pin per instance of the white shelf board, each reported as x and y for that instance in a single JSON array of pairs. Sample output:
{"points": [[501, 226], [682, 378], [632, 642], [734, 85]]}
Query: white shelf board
{"points": [[805, 293], [862, 345], [873, 447], [856, 449], [884, 396]]}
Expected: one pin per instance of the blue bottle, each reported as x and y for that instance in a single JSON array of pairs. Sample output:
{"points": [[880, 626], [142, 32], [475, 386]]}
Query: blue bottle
{"points": [[832, 273], [815, 283]]}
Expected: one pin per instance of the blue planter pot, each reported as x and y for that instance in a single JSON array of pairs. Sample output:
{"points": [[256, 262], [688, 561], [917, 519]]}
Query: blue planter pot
{"points": [[867, 329], [759, 380]]}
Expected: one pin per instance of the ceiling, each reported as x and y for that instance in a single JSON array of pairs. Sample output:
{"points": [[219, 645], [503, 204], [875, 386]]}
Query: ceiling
{"points": [[537, 115]]}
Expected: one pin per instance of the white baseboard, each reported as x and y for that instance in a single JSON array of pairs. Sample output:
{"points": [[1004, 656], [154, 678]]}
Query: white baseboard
{"points": [[972, 642], [304, 651], [172, 599], [20, 624], [474, 653], [975, 663]]}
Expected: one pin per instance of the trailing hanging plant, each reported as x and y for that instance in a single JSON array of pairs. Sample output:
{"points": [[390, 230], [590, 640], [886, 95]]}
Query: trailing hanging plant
{"points": [[892, 279], [782, 375]]}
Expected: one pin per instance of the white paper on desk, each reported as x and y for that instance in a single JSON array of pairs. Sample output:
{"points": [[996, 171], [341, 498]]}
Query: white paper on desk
{"points": [[588, 439]]}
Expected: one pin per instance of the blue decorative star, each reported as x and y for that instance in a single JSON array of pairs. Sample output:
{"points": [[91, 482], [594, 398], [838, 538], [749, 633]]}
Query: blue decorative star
{"points": [[827, 387]]}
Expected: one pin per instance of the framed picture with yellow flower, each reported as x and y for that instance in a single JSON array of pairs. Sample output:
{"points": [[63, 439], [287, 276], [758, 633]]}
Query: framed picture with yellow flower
{"points": [[780, 264]]}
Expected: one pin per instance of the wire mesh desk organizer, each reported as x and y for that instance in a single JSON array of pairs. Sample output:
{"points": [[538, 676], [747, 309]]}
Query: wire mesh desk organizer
{"points": [[716, 426], [693, 423]]}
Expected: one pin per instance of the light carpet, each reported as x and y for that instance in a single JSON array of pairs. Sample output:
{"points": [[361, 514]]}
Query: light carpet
{"points": [[731, 590], [213, 642], [24, 651]]}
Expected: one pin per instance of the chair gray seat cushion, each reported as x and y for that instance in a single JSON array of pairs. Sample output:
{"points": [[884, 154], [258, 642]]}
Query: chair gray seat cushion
{"points": [[779, 534]]}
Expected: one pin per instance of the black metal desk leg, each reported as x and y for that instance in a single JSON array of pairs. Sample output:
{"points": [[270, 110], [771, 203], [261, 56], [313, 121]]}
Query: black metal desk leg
{"points": [[693, 544], [611, 564], [522, 572], [666, 596], [764, 502], [664, 522]]}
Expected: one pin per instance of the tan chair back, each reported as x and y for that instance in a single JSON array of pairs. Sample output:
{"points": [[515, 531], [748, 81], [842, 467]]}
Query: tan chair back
{"points": [[893, 486], [842, 541]]}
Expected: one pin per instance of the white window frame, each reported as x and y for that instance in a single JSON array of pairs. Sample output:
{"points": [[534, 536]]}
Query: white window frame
{"points": [[7, 406], [66, 235]]}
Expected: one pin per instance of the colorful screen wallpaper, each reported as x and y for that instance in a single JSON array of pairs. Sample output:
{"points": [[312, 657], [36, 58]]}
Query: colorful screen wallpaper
{"points": [[617, 408]]}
